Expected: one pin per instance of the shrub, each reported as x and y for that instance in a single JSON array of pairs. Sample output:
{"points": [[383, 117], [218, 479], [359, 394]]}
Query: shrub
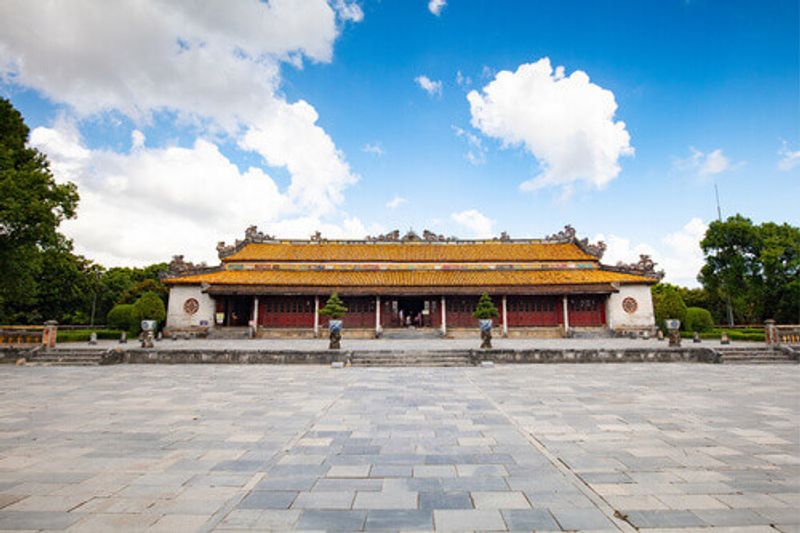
{"points": [[82, 335], [150, 307], [485, 308], [334, 308], [123, 317], [667, 303], [698, 319]]}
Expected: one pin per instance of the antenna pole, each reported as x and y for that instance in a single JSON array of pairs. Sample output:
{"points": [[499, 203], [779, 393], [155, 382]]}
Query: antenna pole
{"points": [[727, 296]]}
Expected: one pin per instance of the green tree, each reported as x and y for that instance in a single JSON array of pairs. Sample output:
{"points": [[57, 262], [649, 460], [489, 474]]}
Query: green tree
{"points": [[32, 205], [150, 307], [123, 317], [485, 308], [756, 267], [667, 303], [334, 308], [698, 319]]}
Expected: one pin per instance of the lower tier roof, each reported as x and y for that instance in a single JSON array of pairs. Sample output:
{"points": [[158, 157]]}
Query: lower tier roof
{"points": [[410, 278]]}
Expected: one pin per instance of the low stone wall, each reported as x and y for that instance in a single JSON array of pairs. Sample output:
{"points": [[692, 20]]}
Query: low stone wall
{"points": [[243, 357], [326, 357], [629, 355]]}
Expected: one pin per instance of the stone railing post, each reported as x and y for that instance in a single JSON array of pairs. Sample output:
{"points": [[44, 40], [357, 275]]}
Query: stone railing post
{"points": [[49, 334], [771, 334]]}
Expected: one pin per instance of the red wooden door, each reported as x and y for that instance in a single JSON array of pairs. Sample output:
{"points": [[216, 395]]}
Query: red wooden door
{"points": [[532, 311], [286, 312], [587, 310]]}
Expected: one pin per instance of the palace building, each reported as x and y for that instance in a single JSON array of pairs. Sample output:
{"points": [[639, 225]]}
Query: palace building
{"points": [[548, 287]]}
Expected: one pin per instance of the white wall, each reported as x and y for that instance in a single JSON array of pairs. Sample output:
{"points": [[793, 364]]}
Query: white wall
{"points": [[618, 318], [178, 318]]}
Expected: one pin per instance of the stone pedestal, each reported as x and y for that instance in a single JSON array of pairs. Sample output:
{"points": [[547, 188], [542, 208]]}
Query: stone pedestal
{"points": [[49, 334]]}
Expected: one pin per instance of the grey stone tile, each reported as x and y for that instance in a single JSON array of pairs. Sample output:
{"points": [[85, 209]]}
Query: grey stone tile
{"points": [[35, 520], [468, 520], [582, 519], [393, 519], [530, 519], [286, 483], [444, 500], [664, 519], [261, 499], [332, 520]]}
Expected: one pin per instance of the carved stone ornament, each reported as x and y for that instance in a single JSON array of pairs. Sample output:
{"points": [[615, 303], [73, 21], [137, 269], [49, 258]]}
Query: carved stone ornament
{"points": [[565, 235], [251, 235], [179, 267], [191, 306], [630, 305], [410, 236], [645, 267]]}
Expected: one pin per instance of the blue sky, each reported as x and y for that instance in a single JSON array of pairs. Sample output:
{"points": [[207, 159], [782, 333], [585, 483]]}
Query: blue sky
{"points": [[708, 92]]}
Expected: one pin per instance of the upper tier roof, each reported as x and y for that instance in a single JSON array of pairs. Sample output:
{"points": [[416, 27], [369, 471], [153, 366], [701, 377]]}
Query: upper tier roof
{"points": [[457, 251]]}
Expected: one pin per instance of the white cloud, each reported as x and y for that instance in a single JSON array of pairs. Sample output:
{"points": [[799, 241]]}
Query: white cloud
{"points": [[373, 148], [789, 158], [463, 81], [350, 12], [433, 88], [566, 122], [476, 154], [213, 66], [476, 222], [704, 164], [396, 202], [436, 6], [145, 205], [678, 252]]}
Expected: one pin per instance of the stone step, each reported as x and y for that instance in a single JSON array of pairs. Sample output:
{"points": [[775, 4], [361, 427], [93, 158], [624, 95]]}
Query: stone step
{"points": [[761, 362]]}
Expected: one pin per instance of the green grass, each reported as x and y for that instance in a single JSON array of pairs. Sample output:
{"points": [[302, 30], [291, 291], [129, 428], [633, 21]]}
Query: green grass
{"points": [[82, 335]]}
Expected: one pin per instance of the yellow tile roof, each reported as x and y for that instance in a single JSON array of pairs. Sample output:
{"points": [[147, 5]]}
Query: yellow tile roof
{"points": [[411, 251], [410, 278]]}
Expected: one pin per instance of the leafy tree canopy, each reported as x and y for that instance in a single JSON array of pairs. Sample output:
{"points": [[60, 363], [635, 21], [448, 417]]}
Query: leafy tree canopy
{"points": [[756, 267]]}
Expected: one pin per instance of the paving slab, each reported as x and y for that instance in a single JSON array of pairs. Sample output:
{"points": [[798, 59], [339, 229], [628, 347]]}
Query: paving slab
{"points": [[235, 448]]}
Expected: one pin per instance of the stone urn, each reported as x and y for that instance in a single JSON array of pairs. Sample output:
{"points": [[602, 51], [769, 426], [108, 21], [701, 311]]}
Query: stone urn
{"points": [[486, 332], [335, 330]]}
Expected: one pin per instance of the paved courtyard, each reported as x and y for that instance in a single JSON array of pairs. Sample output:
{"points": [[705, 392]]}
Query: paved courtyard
{"points": [[531, 447]]}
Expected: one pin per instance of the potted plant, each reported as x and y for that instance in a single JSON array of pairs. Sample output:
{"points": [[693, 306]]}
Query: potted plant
{"points": [[334, 309], [485, 312]]}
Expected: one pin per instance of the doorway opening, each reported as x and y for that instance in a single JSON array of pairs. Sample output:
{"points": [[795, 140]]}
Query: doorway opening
{"points": [[410, 311]]}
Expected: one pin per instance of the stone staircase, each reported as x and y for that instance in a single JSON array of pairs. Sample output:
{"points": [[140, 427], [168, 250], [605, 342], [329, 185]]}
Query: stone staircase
{"points": [[64, 357], [415, 358], [761, 355], [411, 333]]}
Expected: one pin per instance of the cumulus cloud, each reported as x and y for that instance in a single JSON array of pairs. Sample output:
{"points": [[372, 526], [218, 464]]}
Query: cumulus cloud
{"points": [[214, 67], [433, 88], [479, 225], [476, 153], [566, 122], [436, 6], [678, 253], [789, 158], [704, 164], [373, 148], [349, 11], [396, 202], [147, 204]]}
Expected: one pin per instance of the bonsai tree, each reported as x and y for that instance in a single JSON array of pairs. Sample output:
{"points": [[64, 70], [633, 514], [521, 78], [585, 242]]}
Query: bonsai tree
{"points": [[486, 309], [485, 312], [334, 309]]}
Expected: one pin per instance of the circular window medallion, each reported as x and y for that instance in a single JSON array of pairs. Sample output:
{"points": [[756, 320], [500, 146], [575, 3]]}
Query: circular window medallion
{"points": [[629, 305], [191, 306]]}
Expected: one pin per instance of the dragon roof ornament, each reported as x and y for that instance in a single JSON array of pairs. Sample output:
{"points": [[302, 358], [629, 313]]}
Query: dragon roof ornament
{"points": [[570, 235], [645, 266]]}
